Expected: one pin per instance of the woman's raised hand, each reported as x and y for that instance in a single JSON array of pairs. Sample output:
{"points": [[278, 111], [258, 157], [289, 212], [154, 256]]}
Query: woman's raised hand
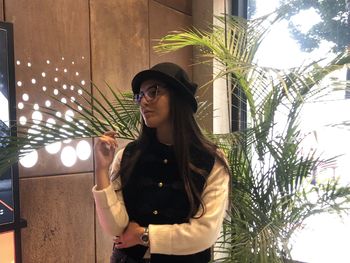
{"points": [[104, 151]]}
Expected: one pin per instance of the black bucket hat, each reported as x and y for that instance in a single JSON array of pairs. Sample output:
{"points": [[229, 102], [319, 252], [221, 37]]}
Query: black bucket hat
{"points": [[172, 75]]}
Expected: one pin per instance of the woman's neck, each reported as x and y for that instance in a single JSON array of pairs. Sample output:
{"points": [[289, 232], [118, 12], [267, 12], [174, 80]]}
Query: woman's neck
{"points": [[165, 135]]}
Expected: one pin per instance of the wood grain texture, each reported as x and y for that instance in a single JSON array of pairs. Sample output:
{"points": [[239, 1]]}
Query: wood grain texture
{"points": [[1, 10], [60, 215], [202, 73], [184, 6], [119, 41], [163, 20]]}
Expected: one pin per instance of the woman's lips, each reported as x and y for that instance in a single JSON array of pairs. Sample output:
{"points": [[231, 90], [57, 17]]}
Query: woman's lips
{"points": [[146, 113]]}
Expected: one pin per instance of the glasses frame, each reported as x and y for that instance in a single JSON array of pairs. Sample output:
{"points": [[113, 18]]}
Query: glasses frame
{"points": [[147, 94]]}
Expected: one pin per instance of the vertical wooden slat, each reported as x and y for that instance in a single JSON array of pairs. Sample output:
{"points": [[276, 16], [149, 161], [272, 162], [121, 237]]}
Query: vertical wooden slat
{"points": [[162, 21], [119, 41], [1, 10], [119, 49]]}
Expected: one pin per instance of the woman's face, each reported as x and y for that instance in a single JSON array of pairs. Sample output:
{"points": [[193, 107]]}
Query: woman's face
{"points": [[155, 104]]}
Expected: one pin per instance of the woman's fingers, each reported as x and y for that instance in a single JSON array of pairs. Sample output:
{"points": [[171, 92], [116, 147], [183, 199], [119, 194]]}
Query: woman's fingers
{"points": [[117, 240], [110, 133], [109, 141]]}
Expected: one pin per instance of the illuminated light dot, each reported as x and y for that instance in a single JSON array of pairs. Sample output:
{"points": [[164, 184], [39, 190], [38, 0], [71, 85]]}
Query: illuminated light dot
{"points": [[62, 58], [53, 148], [47, 103], [55, 79], [47, 61], [35, 129], [19, 83], [33, 81], [65, 70], [80, 91], [82, 57], [20, 105], [37, 117], [72, 99], [83, 150], [83, 122], [36, 106], [58, 114], [50, 122], [67, 141], [82, 82], [68, 156], [66, 126], [71, 87], [80, 108], [56, 69], [44, 88], [25, 97], [43, 74], [76, 73], [72, 62], [69, 115], [29, 160], [64, 86], [29, 64], [64, 100], [18, 62], [55, 91], [22, 120]]}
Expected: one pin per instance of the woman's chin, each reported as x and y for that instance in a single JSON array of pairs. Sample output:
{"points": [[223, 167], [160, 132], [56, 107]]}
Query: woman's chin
{"points": [[150, 124]]}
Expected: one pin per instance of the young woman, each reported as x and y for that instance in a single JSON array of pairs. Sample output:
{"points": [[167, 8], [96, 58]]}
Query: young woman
{"points": [[164, 196]]}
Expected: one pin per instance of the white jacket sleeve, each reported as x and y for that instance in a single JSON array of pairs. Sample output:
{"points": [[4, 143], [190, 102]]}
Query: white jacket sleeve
{"points": [[110, 206], [199, 234]]}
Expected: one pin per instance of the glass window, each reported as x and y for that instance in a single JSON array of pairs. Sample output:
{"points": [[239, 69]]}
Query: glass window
{"points": [[312, 29]]}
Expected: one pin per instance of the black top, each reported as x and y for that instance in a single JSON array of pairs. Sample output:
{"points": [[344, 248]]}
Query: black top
{"points": [[155, 194]]}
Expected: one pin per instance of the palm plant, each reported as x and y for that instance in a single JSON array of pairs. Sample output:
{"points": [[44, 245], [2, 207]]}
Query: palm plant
{"points": [[90, 118], [273, 191], [271, 175]]}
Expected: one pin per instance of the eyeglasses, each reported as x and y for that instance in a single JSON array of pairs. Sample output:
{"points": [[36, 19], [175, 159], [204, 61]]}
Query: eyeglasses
{"points": [[150, 94]]}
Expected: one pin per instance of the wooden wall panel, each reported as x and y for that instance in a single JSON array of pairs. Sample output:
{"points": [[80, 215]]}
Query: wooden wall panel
{"points": [[169, 20], [52, 53], [1, 11], [202, 16], [60, 215], [119, 41], [104, 242], [184, 6]]}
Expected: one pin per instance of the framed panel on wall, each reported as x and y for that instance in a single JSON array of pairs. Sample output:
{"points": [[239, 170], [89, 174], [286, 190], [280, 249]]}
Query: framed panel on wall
{"points": [[10, 221]]}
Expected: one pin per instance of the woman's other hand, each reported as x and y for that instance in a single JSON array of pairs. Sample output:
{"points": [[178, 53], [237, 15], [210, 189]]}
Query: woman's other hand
{"points": [[130, 237], [104, 151]]}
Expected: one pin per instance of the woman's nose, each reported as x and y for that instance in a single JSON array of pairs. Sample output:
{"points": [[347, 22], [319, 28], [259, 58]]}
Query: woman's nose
{"points": [[143, 101]]}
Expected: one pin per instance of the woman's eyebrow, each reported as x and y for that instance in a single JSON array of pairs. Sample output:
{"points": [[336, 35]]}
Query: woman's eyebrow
{"points": [[150, 86]]}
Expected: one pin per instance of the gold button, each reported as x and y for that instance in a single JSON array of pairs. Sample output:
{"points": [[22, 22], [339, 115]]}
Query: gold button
{"points": [[160, 184], [155, 212], [165, 161]]}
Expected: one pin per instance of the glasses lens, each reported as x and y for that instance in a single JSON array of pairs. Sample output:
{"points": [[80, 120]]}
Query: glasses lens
{"points": [[138, 97], [151, 93]]}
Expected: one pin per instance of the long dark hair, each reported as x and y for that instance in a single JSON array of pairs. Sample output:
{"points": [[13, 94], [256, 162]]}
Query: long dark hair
{"points": [[186, 134]]}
